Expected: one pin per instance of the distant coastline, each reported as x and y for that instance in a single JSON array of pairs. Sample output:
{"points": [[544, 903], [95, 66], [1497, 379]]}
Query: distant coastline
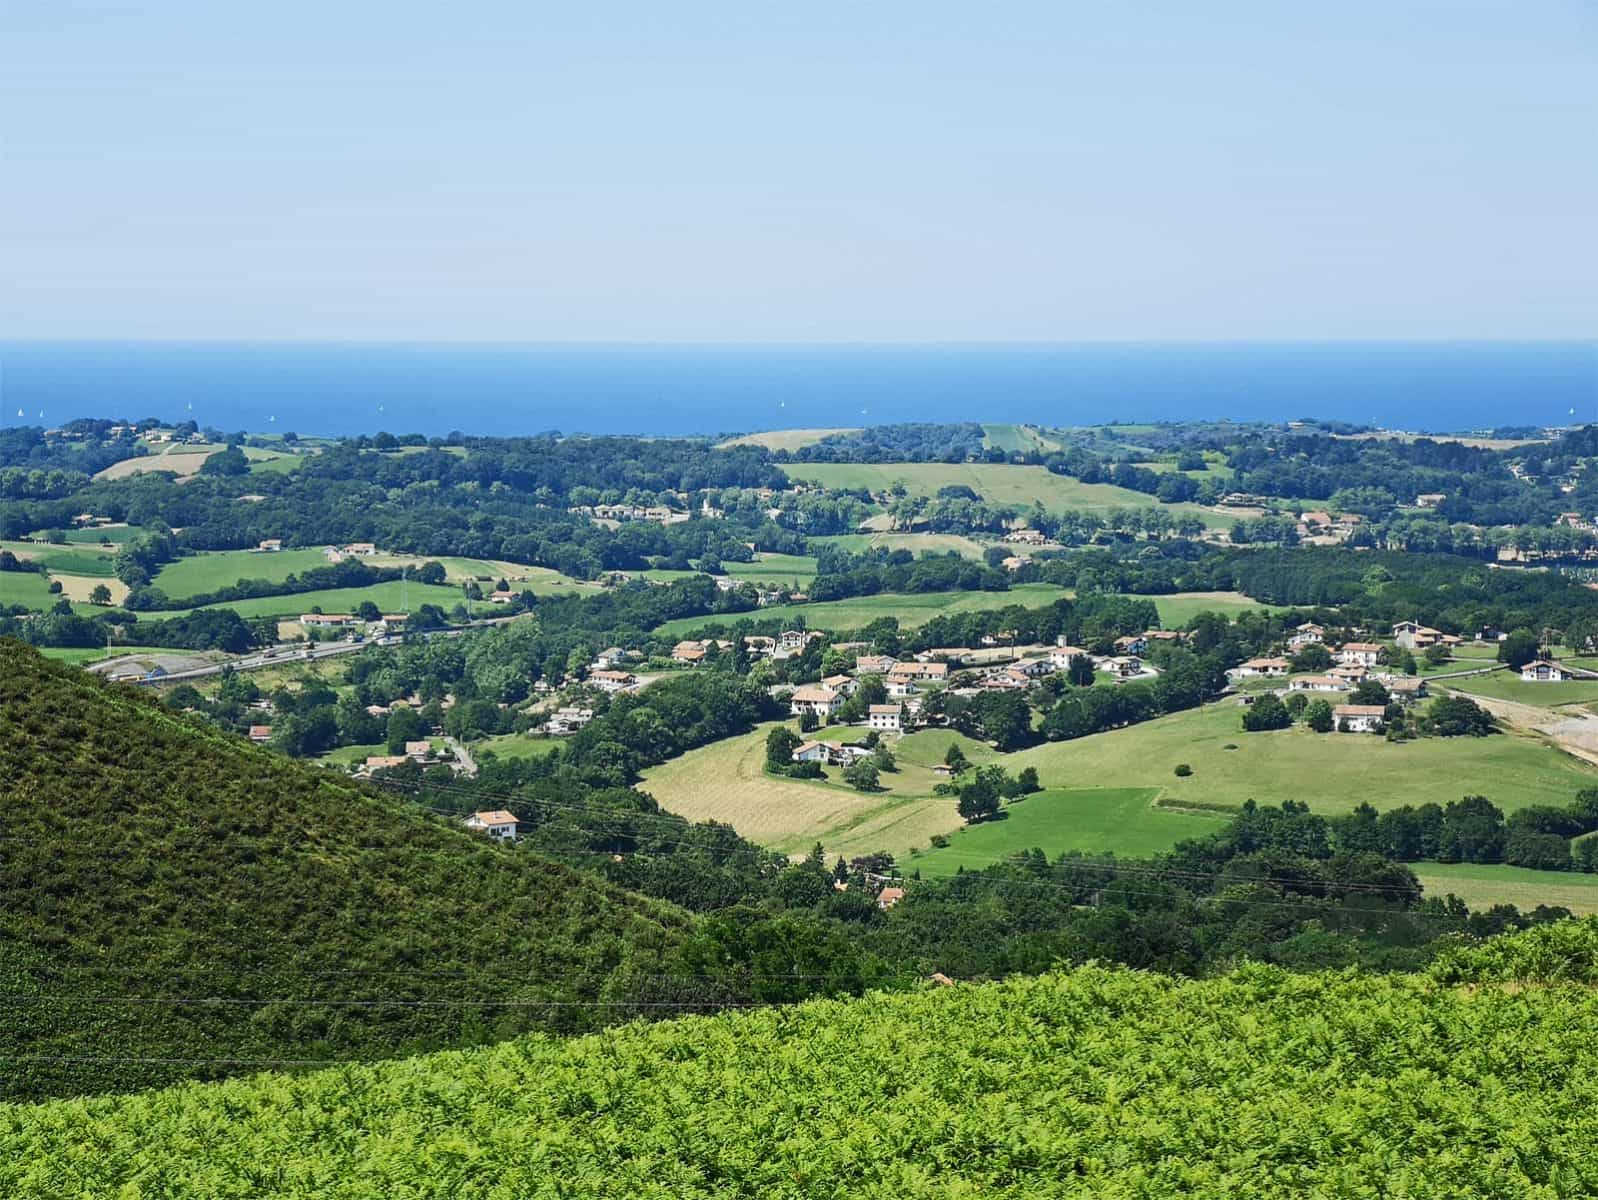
{"points": [[349, 388]]}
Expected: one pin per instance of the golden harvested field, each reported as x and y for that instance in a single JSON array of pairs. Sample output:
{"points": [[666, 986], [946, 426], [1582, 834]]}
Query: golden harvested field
{"points": [[726, 781], [183, 461], [783, 439]]}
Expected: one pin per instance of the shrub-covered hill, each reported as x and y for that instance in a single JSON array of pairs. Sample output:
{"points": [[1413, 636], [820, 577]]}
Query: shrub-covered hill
{"points": [[171, 896], [1099, 1082]]}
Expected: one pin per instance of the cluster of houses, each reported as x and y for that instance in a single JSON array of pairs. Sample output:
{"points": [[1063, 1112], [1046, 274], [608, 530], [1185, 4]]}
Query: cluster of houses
{"points": [[659, 513], [384, 625], [1317, 527], [568, 719], [418, 751], [785, 645]]}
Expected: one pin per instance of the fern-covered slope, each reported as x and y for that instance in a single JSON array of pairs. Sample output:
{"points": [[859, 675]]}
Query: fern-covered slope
{"points": [[1100, 1082], [169, 893]]}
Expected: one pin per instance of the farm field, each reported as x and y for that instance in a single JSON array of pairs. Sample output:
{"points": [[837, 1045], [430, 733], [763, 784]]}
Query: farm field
{"points": [[1482, 885], [1332, 773], [204, 573], [27, 589], [789, 570], [1014, 438], [1012, 486], [336, 600], [726, 781], [1179, 608], [272, 462], [1507, 685], [513, 746], [1092, 820], [181, 460], [909, 610], [783, 439], [114, 534], [916, 543], [69, 559]]}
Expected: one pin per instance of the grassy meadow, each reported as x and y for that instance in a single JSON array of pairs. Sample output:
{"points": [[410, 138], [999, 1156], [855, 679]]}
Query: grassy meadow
{"points": [[1003, 484], [909, 610], [1124, 821], [1014, 439], [1482, 885], [917, 543]]}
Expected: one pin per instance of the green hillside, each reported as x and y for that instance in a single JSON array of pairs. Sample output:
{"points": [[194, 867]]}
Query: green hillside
{"points": [[1477, 1080], [171, 895]]}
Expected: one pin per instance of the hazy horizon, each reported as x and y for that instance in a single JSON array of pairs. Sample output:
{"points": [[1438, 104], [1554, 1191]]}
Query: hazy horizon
{"points": [[903, 173]]}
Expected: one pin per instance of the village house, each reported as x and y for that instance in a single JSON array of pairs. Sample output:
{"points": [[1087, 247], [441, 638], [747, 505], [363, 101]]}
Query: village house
{"points": [[327, 620], [1350, 675], [361, 549], [1413, 636], [759, 646], [1125, 666], [1358, 718], [1308, 634], [1026, 537], [816, 752], [1060, 657], [381, 762], [269, 545], [612, 681], [1015, 562], [1168, 636], [1405, 689], [1316, 683], [816, 700], [1545, 671], [497, 823], [1430, 499], [1034, 668], [567, 720], [419, 750], [889, 896], [901, 688], [888, 717], [260, 733], [1132, 643], [949, 655], [833, 754], [920, 672], [875, 664], [1358, 654], [1004, 681], [611, 658], [1255, 667]]}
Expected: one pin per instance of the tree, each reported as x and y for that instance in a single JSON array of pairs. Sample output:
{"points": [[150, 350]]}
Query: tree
{"points": [[1080, 670], [955, 757], [1473, 831], [1318, 716], [883, 758], [1313, 657], [1519, 648], [979, 797], [1027, 781], [1266, 713], [99, 594], [781, 742], [404, 725], [1437, 654], [1460, 716], [862, 775]]}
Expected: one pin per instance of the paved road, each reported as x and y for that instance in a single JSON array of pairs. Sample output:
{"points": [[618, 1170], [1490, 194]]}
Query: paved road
{"points": [[463, 756]]}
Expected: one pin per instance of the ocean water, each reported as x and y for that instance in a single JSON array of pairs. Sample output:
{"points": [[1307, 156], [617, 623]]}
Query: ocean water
{"points": [[664, 389]]}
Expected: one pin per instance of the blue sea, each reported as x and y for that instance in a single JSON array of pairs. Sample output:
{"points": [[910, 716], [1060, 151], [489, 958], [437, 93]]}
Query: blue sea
{"points": [[708, 389]]}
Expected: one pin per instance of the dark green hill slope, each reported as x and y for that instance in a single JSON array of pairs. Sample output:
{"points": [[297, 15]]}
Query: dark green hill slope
{"points": [[1478, 1080], [170, 894]]}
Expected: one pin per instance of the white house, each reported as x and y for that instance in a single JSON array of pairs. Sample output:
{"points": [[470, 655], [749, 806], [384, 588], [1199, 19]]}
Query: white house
{"points": [[814, 699], [874, 664], [1308, 634], [1061, 656], [900, 687], [816, 752], [1544, 671], [1255, 667], [497, 824], [920, 672], [1132, 643], [1358, 654], [1358, 718], [885, 716], [612, 681], [1316, 683]]}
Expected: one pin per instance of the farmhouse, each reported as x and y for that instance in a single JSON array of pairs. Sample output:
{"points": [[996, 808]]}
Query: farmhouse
{"points": [[1255, 667], [361, 549], [816, 700], [797, 639], [1545, 671], [1405, 689], [875, 664], [841, 684], [568, 719], [1132, 643], [816, 752], [380, 762], [497, 823], [1349, 674], [1316, 683], [950, 655], [612, 681], [1358, 654], [260, 733], [419, 749], [1015, 562], [1125, 667], [889, 896], [327, 620], [1413, 636], [900, 687], [1307, 634], [269, 545], [920, 672], [1061, 656], [832, 754], [1430, 499], [611, 657], [885, 716], [1358, 718]]}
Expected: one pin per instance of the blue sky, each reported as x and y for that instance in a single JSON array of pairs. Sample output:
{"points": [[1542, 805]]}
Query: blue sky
{"points": [[916, 171]]}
